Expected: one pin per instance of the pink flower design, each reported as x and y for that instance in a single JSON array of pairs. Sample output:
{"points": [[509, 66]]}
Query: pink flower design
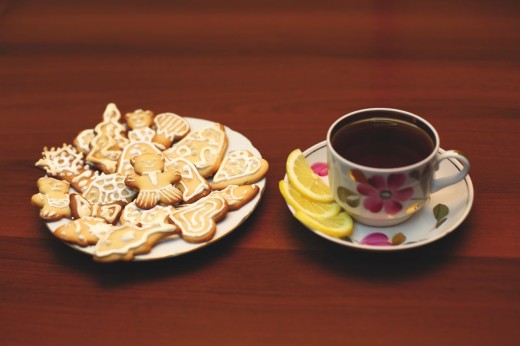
{"points": [[385, 194], [376, 239], [320, 168]]}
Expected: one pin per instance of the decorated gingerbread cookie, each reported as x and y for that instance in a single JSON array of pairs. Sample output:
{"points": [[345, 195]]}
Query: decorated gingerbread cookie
{"points": [[204, 147], [154, 183], [197, 221], [128, 240], [107, 189], [83, 232], [83, 139], [239, 167], [192, 184], [53, 199], [109, 141], [237, 196], [81, 208], [169, 128], [132, 214], [139, 122], [66, 163], [124, 166]]}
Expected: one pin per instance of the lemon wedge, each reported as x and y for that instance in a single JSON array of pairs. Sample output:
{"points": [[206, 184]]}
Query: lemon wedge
{"points": [[338, 226], [304, 180], [301, 203]]}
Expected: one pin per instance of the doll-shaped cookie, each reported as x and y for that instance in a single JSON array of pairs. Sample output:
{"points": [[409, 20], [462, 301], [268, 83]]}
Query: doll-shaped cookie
{"points": [[109, 141], [154, 183], [139, 122], [204, 147], [123, 243], [197, 221], [169, 128], [133, 149], [237, 196], [239, 167], [192, 184], [66, 163], [81, 208], [53, 199], [83, 232]]}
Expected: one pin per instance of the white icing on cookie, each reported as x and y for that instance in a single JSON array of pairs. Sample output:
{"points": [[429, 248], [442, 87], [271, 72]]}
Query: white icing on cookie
{"points": [[171, 126], [64, 161], [237, 164], [202, 147], [108, 188], [134, 215]]}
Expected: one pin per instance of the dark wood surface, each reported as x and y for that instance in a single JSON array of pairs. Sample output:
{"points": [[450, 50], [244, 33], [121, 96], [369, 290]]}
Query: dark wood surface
{"points": [[279, 72]]}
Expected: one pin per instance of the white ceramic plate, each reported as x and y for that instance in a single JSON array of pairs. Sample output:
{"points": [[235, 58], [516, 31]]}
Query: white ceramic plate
{"points": [[174, 245], [443, 213]]}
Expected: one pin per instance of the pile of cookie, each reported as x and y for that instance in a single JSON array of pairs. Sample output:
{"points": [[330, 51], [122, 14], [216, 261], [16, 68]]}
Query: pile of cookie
{"points": [[126, 186]]}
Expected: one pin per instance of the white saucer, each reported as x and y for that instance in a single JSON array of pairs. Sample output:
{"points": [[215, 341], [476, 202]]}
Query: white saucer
{"points": [[451, 205], [174, 246]]}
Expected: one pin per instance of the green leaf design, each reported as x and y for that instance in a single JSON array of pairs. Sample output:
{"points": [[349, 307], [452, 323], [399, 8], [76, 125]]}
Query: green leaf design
{"points": [[440, 212], [348, 196], [398, 238]]}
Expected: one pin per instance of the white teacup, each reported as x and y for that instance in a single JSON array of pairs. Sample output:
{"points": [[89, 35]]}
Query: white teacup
{"points": [[382, 163]]}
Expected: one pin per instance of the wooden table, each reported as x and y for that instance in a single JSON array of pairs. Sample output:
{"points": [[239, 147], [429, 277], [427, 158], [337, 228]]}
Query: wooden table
{"points": [[279, 72]]}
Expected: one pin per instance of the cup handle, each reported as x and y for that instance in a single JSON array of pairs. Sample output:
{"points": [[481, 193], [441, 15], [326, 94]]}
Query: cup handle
{"points": [[441, 183]]}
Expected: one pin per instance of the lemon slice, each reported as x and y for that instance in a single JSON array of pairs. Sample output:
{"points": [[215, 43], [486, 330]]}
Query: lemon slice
{"points": [[300, 202], [338, 226], [304, 180]]}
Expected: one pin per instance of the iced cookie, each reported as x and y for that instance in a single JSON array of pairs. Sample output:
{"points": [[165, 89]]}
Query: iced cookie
{"points": [[83, 232], [81, 208], [192, 184], [154, 183], [107, 189], [126, 241], [139, 122], [66, 163], [239, 167], [83, 139], [197, 221], [53, 199], [169, 128], [132, 214], [109, 141], [124, 167], [204, 147], [237, 196]]}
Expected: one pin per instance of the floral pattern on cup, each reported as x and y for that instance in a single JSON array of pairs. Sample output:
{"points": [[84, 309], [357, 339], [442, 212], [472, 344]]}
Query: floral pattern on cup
{"points": [[385, 194]]}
